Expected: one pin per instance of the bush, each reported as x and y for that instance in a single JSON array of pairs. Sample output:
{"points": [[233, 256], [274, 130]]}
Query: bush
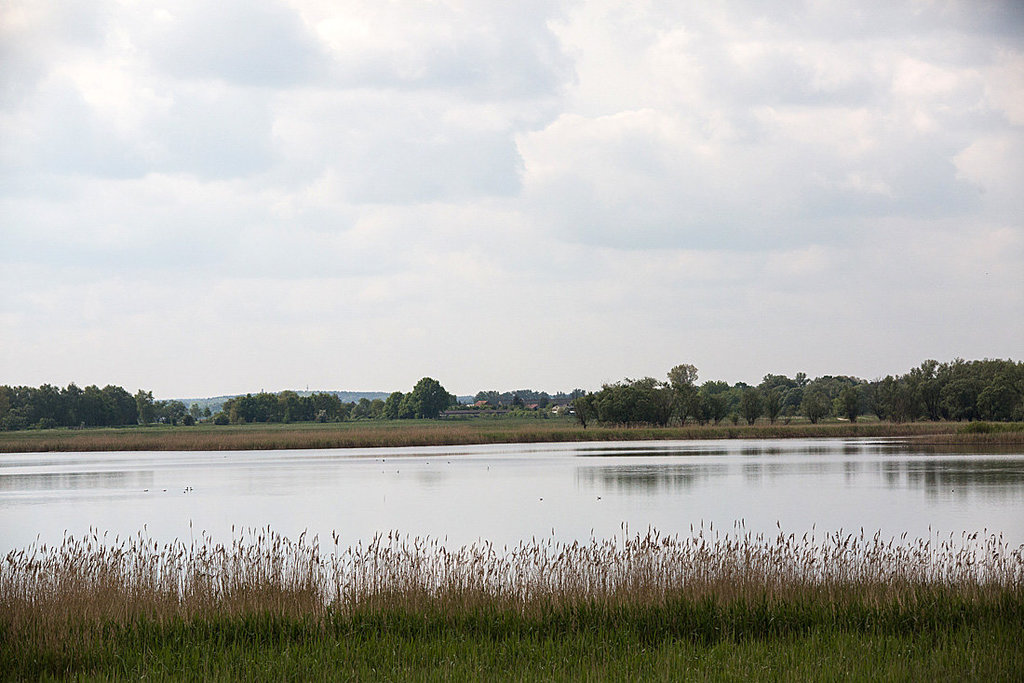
{"points": [[990, 427], [12, 423]]}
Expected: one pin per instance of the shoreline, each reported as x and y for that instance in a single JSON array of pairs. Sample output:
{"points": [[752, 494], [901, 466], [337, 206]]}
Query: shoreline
{"points": [[477, 431]]}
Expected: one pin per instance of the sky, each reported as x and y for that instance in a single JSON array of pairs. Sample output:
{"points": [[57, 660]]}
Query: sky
{"points": [[205, 198]]}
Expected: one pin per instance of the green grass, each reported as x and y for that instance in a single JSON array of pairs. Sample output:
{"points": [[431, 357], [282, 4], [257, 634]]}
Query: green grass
{"points": [[264, 648], [368, 434]]}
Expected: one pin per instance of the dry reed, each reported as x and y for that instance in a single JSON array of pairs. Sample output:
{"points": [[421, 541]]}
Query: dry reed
{"points": [[437, 433], [47, 590]]}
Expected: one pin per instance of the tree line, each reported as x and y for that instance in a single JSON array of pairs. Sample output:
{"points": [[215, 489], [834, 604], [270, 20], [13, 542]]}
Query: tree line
{"points": [[426, 400], [47, 406], [958, 390], [525, 397]]}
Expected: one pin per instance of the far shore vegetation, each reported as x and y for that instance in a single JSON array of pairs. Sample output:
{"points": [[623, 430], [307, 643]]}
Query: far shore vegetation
{"points": [[957, 402], [485, 430]]}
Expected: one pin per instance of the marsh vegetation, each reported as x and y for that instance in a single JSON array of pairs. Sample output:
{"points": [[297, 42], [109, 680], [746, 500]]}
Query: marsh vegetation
{"points": [[369, 434], [265, 605]]}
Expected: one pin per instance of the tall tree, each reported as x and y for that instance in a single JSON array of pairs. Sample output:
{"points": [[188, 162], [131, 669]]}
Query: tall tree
{"points": [[683, 381], [429, 398], [773, 404], [583, 409], [751, 405], [392, 405], [849, 400], [815, 405]]}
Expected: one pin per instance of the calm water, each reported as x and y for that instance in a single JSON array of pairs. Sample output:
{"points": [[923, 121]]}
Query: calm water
{"points": [[508, 493]]}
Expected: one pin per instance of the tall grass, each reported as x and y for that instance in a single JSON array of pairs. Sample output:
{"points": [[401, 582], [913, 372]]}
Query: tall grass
{"points": [[94, 603], [443, 433], [261, 571]]}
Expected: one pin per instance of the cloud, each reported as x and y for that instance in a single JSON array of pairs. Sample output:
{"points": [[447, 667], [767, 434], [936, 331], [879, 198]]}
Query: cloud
{"points": [[483, 50], [994, 165], [392, 148], [35, 32], [504, 194], [250, 42], [752, 131]]}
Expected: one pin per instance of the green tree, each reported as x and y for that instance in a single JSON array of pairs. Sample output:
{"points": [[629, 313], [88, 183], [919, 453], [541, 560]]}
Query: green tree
{"points": [[960, 398], [683, 381], [376, 408], [120, 407], [392, 405], [642, 401], [493, 398], [144, 406], [72, 397], [293, 408], [815, 405], [91, 406], [6, 395], [583, 409], [170, 412], [362, 411], [880, 397], [998, 400], [780, 382], [849, 400], [428, 398], [714, 399], [751, 405], [773, 404], [326, 406]]}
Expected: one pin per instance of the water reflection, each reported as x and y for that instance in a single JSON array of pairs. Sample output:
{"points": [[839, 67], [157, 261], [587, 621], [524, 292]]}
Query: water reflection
{"points": [[655, 478], [991, 478], [758, 471], [507, 493], [75, 481]]}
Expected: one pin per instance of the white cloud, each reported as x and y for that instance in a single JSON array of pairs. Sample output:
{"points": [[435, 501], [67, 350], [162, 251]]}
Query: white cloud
{"points": [[250, 42], [212, 197], [384, 148], [492, 50], [994, 164], [1004, 86]]}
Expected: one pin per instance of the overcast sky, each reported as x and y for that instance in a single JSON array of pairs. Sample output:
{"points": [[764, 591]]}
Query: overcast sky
{"points": [[206, 198]]}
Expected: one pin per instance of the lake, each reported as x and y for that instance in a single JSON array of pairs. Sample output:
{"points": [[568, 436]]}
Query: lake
{"points": [[510, 493]]}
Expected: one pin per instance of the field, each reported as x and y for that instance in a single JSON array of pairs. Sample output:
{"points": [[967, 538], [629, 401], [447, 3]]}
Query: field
{"points": [[366, 434], [708, 605]]}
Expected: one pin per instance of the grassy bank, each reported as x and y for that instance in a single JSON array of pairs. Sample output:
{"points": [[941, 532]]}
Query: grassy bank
{"points": [[367, 434], [560, 647], [706, 605]]}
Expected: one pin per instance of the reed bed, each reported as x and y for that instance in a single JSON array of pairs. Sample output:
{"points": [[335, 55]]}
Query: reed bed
{"points": [[96, 578], [91, 604], [441, 433], [980, 434]]}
